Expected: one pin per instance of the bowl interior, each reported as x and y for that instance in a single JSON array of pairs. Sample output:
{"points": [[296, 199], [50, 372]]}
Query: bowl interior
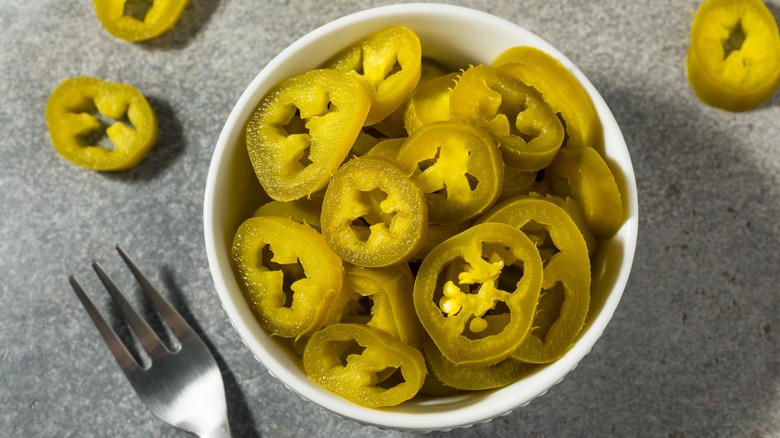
{"points": [[456, 37]]}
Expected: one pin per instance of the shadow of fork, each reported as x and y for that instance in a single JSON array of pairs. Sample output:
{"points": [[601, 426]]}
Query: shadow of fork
{"points": [[239, 414]]}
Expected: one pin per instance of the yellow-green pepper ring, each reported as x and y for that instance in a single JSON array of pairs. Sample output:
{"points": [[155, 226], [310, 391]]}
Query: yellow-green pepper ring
{"points": [[389, 208], [303, 129], [266, 254], [567, 273], [734, 55], [352, 360], [471, 378], [458, 166], [480, 315], [528, 131], [381, 298], [161, 17], [70, 115], [584, 174], [559, 88], [389, 62]]}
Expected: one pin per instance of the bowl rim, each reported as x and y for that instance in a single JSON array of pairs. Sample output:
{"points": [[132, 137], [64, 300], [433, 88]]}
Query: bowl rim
{"points": [[496, 404]]}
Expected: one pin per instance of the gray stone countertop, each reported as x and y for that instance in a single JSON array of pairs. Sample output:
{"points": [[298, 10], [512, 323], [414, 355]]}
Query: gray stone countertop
{"points": [[693, 349]]}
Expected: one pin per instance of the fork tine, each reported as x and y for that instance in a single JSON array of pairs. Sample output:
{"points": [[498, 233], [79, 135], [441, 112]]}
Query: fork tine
{"points": [[117, 347], [148, 338], [174, 320]]}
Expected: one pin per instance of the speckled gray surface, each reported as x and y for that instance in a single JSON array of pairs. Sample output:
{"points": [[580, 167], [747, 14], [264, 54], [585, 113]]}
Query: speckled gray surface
{"points": [[693, 350]]}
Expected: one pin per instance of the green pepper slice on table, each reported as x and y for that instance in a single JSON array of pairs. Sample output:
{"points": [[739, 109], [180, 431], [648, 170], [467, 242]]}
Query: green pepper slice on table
{"points": [[560, 89], [288, 274], [160, 17], [389, 63], [364, 365], [733, 60], [373, 215], [527, 129], [303, 129], [583, 174], [458, 166], [476, 293], [72, 120], [565, 298], [380, 298]]}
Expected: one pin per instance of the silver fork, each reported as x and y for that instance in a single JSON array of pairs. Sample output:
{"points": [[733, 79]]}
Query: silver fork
{"points": [[183, 387]]}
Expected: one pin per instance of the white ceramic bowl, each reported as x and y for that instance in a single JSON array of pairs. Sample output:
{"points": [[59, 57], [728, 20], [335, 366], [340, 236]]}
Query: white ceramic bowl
{"points": [[456, 36]]}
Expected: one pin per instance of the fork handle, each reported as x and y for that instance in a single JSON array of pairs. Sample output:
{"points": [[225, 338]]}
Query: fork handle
{"points": [[222, 432]]}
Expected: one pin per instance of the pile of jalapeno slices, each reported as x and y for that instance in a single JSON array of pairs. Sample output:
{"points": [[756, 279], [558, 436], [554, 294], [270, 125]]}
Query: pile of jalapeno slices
{"points": [[430, 230]]}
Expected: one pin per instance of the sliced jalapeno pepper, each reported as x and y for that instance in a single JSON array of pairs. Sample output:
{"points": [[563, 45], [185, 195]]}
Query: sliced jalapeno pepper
{"points": [[364, 365], [516, 183], [393, 125], [430, 102], [438, 233], [288, 274], [303, 129], [583, 174], [527, 129], [476, 293], [559, 88], [734, 54], [563, 304], [365, 142], [471, 378], [159, 18], [305, 211], [389, 62], [574, 210], [381, 298], [457, 166], [387, 148], [373, 215], [70, 116]]}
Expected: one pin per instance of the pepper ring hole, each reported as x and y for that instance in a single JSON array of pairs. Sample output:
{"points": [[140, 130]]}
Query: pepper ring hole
{"points": [[527, 135], [137, 9], [358, 310], [395, 68], [291, 272], [376, 214], [565, 129], [99, 137], [345, 349], [512, 271], [424, 165], [297, 126], [492, 323], [473, 181], [734, 41], [540, 236], [390, 378], [510, 276]]}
